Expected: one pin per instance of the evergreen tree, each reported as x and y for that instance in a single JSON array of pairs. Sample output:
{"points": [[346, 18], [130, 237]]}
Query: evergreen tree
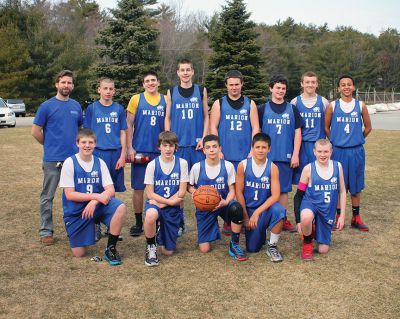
{"points": [[128, 47], [233, 39]]}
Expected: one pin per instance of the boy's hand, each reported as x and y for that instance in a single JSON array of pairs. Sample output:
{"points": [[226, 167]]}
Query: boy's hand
{"points": [[222, 203], [253, 220], [199, 145], [340, 222], [159, 205], [103, 198], [299, 229], [120, 163], [88, 212], [294, 162], [175, 200], [130, 153]]}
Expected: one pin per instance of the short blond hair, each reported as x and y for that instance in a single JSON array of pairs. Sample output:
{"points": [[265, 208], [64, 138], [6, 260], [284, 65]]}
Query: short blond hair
{"points": [[322, 142]]}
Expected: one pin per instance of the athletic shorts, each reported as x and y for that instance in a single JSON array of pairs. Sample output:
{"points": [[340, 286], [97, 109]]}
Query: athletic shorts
{"points": [[169, 218], [190, 154], [207, 224], [285, 176], [306, 156], [111, 157], [323, 228], [255, 238], [81, 231], [139, 170], [353, 164]]}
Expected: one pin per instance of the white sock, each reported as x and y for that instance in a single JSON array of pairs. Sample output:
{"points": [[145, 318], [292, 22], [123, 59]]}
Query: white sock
{"points": [[273, 239]]}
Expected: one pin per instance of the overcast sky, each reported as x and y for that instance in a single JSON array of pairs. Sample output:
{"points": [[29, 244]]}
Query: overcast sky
{"points": [[371, 16]]}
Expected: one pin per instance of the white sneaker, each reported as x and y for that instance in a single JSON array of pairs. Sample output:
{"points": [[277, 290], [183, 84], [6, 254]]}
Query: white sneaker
{"points": [[151, 258]]}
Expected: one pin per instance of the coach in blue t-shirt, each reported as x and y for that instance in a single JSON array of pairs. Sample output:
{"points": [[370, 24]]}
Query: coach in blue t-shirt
{"points": [[55, 127]]}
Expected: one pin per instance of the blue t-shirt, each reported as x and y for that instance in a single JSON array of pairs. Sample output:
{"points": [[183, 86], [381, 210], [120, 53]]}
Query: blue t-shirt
{"points": [[234, 130], [60, 121], [107, 123]]}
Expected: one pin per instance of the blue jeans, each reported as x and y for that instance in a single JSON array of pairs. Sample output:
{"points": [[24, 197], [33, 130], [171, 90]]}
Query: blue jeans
{"points": [[50, 182]]}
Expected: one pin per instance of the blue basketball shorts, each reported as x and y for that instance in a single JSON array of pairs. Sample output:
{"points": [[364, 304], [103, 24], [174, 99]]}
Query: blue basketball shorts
{"points": [[353, 164], [285, 176], [139, 170], [111, 157], [255, 238], [190, 154], [81, 231], [306, 156]]}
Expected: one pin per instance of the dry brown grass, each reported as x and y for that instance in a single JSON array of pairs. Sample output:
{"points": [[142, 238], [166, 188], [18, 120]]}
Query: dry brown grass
{"points": [[359, 278]]}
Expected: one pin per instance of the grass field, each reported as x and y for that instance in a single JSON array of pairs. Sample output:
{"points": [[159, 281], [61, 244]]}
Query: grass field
{"points": [[359, 278]]}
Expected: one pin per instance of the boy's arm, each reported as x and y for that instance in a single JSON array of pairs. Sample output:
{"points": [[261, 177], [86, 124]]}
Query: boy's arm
{"points": [[167, 121], [151, 195], [239, 188], [121, 160], [366, 120], [37, 133], [255, 123], [328, 120], [294, 162], [298, 197], [206, 121], [215, 116], [130, 119], [341, 220], [274, 198]]}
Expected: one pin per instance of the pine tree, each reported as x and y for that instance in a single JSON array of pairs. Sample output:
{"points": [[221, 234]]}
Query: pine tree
{"points": [[234, 41], [128, 47]]}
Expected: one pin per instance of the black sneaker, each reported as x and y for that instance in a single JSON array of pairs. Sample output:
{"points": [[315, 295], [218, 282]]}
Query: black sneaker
{"points": [[136, 230], [151, 258], [112, 256]]}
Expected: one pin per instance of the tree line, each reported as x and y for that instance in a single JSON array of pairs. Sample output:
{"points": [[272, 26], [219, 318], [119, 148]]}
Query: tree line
{"points": [[38, 38]]}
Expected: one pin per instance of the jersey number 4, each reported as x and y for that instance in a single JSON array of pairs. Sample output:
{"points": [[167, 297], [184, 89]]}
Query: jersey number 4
{"points": [[347, 128]]}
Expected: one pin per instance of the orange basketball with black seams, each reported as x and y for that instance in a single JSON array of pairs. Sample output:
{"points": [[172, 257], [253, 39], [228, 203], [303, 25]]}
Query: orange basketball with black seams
{"points": [[206, 198]]}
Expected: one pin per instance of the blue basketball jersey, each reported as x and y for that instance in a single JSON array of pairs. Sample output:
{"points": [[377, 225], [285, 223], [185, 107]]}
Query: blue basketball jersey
{"points": [[220, 183], [346, 128], [324, 193], [187, 117], [256, 189], [313, 120], [107, 123], [234, 130], [85, 182], [149, 123], [281, 128], [167, 185]]}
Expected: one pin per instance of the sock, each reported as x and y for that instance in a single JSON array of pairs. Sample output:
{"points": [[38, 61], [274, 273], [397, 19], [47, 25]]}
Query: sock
{"points": [[139, 221], [356, 210], [308, 239], [338, 211], [112, 240], [273, 239], [235, 237], [151, 241]]}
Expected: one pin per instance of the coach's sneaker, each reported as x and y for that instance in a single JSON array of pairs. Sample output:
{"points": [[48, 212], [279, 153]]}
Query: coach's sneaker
{"points": [[112, 256], [356, 222], [274, 254], [227, 229], [97, 235], [287, 226], [151, 258], [236, 252], [307, 252], [136, 230]]}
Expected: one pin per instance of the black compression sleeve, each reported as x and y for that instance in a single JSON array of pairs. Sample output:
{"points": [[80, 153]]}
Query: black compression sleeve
{"points": [[297, 202]]}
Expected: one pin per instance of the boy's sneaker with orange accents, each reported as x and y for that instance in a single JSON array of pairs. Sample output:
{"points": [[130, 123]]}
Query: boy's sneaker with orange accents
{"points": [[287, 226], [236, 252], [307, 252], [356, 222]]}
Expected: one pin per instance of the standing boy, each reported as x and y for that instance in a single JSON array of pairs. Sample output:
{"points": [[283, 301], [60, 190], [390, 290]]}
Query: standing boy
{"points": [[234, 119], [145, 116], [55, 127], [321, 183], [258, 190], [282, 122], [344, 121], [166, 182], [312, 110], [108, 121], [187, 115], [88, 194], [221, 175]]}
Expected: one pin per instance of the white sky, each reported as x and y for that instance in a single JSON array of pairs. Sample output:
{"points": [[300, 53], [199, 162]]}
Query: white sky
{"points": [[371, 16]]}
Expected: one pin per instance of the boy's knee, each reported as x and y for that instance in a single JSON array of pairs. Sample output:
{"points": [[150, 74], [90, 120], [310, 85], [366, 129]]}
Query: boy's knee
{"points": [[79, 252], [151, 216], [323, 249], [205, 248]]}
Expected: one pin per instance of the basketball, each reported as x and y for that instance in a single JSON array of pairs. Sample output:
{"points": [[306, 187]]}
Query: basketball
{"points": [[206, 198]]}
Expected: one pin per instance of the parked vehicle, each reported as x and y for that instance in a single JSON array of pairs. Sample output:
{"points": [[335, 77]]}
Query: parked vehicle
{"points": [[18, 106], [7, 116]]}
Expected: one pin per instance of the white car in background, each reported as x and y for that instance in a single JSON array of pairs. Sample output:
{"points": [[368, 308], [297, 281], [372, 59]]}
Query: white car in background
{"points": [[7, 116], [18, 106]]}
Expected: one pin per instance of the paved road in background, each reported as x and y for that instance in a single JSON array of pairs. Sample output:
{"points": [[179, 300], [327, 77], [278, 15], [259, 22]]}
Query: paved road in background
{"points": [[382, 120]]}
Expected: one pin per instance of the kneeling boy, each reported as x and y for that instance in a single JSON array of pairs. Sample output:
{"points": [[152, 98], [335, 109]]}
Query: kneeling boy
{"points": [[258, 191], [166, 180], [320, 184], [88, 195]]}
